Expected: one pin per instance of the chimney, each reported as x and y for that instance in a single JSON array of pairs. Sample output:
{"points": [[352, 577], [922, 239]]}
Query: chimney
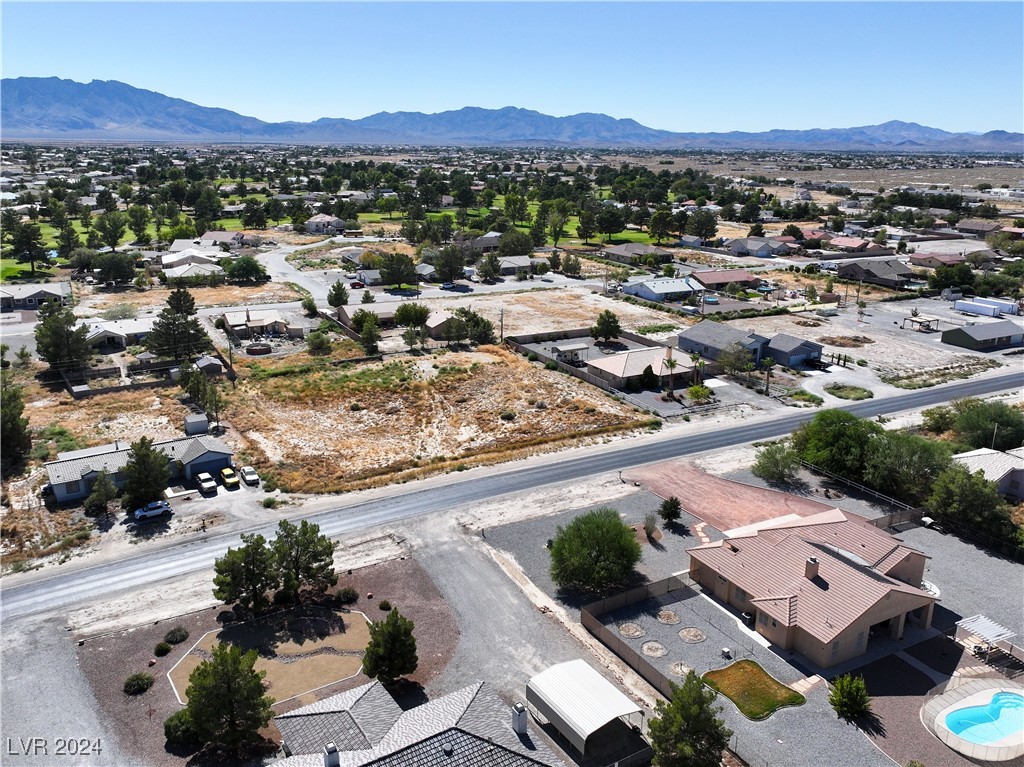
{"points": [[519, 719], [811, 568], [331, 756]]}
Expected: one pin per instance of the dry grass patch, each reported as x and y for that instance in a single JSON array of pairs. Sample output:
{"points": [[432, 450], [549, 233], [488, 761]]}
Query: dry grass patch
{"points": [[334, 429], [846, 342], [221, 295], [299, 653], [755, 692]]}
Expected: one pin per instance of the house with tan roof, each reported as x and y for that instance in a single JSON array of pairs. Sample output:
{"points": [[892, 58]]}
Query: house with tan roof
{"points": [[822, 585], [624, 370]]}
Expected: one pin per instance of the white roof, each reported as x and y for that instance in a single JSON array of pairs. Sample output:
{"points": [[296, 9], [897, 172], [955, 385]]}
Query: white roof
{"points": [[985, 628], [573, 694], [993, 463]]}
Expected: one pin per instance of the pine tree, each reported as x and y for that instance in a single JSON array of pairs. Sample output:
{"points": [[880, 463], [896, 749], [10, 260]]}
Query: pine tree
{"points": [[245, 575], [303, 557], [15, 439], [391, 652], [686, 731], [103, 492], [146, 474]]}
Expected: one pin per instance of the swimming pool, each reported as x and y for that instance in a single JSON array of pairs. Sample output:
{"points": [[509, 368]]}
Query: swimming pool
{"points": [[1002, 717]]}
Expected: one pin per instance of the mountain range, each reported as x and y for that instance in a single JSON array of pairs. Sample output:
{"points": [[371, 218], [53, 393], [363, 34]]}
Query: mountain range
{"points": [[50, 108]]}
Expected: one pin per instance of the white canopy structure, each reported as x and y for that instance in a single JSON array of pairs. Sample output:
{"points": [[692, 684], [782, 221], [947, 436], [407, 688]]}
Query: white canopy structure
{"points": [[986, 629], [577, 700]]}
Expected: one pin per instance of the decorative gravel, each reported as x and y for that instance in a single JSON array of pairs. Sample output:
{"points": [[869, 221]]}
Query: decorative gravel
{"points": [[631, 630]]}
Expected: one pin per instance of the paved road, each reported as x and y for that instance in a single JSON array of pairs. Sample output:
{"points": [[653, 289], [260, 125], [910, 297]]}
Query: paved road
{"points": [[74, 585]]}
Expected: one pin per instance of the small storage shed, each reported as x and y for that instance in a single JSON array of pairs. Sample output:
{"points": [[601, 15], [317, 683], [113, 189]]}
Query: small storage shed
{"points": [[197, 423]]}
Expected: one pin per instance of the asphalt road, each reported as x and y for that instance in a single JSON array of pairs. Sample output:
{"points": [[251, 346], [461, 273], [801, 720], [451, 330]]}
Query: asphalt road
{"points": [[72, 586]]}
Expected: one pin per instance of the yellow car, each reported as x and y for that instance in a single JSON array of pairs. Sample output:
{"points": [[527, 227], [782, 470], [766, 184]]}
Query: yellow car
{"points": [[228, 477]]}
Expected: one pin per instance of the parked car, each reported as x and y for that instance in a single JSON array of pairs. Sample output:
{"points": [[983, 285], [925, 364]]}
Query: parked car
{"points": [[711, 299], [228, 477], [358, 284], [154, 509], [206, 483], [447, 285], [249, 475]]}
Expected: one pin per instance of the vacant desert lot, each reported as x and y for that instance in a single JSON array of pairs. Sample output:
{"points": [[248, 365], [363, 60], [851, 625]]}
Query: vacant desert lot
{"points": [[96, 300], [332, 429]]}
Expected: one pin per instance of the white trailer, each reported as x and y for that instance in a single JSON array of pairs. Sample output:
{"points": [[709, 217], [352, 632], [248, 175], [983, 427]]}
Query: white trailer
{"points": [[1004, 305], [971, 307]]}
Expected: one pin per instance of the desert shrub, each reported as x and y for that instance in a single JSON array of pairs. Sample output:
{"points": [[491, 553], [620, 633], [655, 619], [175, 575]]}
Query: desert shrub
{"points": [[137, 684], [176, 635], [777, 462], [594, 552], [670, 509], [180, 731], [348, 595], [650, 524], [531, 357], [269, 483], [270, 503], [507, 415], [162, 649], [551, 365], [849, 697], [385, 605]]}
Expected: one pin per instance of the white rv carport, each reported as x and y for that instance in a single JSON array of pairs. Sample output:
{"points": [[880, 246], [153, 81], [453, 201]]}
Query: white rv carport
{"points": [[577, 701]]}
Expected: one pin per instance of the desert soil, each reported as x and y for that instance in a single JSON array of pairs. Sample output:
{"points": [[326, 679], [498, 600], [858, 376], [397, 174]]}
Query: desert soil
{"points": [[93, 301]]}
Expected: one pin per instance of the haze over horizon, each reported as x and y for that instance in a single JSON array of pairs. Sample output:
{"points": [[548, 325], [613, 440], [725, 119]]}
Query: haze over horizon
{"points": [[687, 67]]}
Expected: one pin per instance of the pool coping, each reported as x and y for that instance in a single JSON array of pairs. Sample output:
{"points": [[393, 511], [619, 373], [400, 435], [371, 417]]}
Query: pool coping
{"points": [[957, 692]]}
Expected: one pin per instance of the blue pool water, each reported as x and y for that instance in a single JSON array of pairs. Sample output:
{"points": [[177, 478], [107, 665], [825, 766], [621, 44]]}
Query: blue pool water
{"points": [[1002, 717]]}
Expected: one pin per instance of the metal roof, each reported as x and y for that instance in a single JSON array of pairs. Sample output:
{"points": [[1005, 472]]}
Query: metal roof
{"points": [[577, 699]]}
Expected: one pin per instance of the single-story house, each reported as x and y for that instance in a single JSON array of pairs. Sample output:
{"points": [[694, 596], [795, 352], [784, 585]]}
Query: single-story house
{"points": [[761, 247], [178, 246], [322, 223], [1005, 469], [426, 272], [185, 271], [369, 276], [791, 351], [1014, 231], [33, 295], [190, 256], [352, 254], [890, 272], [514, 264], [978, 226], [118, 334], [263, 322], [625, 369], [231, 239], [848, 244], [662, 288], [470, 727], [718, 279], [74, 472], [985, 336], [485, 243], [822, 585], [385, 315], [690, 241], [631, 253], [709, 339], [935, 260]]}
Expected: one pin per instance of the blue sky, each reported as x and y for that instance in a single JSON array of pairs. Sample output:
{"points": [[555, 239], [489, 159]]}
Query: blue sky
{"points": [[701, 66]]}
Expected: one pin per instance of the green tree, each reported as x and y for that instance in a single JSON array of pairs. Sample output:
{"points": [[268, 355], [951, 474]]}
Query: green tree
{"points": [[391, 651], [180, 301], [15, 438], [412, 315], [698, 392], [370, 335], [792, 230], [556, 226], [515, 207], [138, 221], [388, 205], [776, 462], [702, 223], [489, 267], [515, 243], [686, 731], [246, 269], [58, 341], [318, 343], [254, 215], [115, 267], [367, 298], [226, 701], [607, 326], [757, 230], [338, 294], [68, 240], [177, 336], [594, 552], [571, 265], [955, 276], [245, 575], [479, 330], [111, 227], [849, 697], [309, 306], [969, 500], [103, 492], [905, 465], [274, 209], [660, 225], [303, 557], [735, 358], [989, 424], [587, 226], [610, 220], [450, 263], [670, 509], [27, 245], [146, 474], [397, 269], [837, 441]]}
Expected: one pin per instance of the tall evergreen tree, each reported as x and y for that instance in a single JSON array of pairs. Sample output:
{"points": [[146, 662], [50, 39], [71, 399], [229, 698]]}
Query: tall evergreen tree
{"points": [[176, 335], [15, 439], [58, 340], [686, 731], [304, 557], [146, 474], [180, 301], [391, 651], [245, 575]]}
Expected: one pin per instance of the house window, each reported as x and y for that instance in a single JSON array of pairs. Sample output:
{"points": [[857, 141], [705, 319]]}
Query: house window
{"points": [[835, 649], [774, 624], [763, 619], [72, 487], [741, 595]]}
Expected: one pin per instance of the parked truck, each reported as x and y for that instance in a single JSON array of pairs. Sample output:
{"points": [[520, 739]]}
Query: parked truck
{"points": [[972, 307]]}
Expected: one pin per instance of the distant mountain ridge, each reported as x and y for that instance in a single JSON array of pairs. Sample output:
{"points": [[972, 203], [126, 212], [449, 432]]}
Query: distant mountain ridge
{"points": [[50, 108]]}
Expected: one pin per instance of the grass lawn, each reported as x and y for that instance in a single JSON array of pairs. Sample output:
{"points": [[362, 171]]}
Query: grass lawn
{"points": [[844, 391], [754, 691], [10, 269], [298, 652]]}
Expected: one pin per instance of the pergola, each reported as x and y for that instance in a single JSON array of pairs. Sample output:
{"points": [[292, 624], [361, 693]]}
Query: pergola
{"points": [[985, 629], [577, 700]]}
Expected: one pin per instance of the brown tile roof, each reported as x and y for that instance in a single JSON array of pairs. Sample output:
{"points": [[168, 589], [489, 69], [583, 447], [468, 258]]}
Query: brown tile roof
{"points": [[853, 558]]}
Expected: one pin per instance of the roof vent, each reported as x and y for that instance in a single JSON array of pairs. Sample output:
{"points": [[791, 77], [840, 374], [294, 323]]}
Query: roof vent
{"points": [[331, 756], [447, 749], [811, 568]]}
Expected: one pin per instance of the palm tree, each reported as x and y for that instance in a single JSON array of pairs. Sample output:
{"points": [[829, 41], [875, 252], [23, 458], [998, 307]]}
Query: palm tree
{"points": [[767, 364], [698, 368], [671, 365]]}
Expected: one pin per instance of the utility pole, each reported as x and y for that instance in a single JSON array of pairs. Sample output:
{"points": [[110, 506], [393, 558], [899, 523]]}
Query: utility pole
{"points": [[501, 323], [995, 428]]}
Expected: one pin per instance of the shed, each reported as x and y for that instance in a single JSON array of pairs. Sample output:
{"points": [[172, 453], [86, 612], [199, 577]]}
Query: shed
{"points": [[577, 700], [197, 423], [986, 336], [572, 352]]}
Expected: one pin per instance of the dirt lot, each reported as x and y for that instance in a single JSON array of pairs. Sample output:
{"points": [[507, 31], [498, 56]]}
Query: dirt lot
{"points": [[96, 300], [331, 256], [333, 430], [138, 721]]}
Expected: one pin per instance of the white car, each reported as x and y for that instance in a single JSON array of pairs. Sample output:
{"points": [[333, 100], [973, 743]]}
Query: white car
{"points": [[207, 484], [154, 509], [249, 475]]}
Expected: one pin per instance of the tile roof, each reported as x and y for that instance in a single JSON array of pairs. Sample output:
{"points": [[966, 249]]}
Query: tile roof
{"points": [[634, 361], [853, 558], [994, 464], [722, 276]]}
